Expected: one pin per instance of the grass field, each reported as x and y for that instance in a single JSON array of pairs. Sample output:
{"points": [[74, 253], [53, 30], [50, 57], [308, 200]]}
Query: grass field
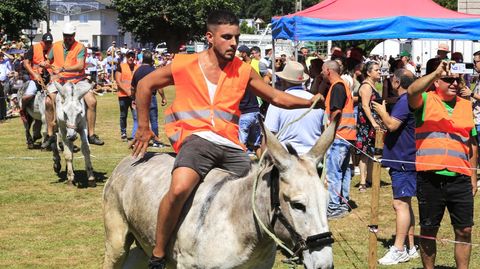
{"points": [[47, 224]]}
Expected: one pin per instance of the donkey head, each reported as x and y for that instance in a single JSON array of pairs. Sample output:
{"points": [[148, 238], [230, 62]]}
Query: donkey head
{"points": [[303, 199], [71, 109]]}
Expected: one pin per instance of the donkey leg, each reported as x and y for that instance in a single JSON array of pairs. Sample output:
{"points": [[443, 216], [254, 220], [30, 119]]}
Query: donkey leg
{"points": [[117, 237], [68, 154], [86, 156], [27, 124]]}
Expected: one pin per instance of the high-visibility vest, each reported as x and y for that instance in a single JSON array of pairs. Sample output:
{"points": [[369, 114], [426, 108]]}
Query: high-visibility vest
{"points": [[442, 139], [60, 61], [346, 129], [126, 78], [192, 111], [38, 57]]}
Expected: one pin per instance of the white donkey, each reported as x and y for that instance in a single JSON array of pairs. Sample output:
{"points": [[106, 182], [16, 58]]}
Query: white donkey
{"points": [[218, 228], [71, 119]]}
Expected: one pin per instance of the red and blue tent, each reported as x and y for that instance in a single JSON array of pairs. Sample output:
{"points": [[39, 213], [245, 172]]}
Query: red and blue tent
{"points": [[376, 19]]}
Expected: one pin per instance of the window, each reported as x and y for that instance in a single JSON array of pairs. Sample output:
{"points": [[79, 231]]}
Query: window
{"points": [[54, 18], [83, 18]]}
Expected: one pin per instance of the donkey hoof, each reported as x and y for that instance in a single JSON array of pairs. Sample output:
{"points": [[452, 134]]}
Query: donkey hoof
{"points": [[71, 182], [92, 183], [30, 146]]}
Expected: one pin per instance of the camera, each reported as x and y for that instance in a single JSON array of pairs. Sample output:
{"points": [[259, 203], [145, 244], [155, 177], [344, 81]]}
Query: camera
{"points": [[462, 68]]}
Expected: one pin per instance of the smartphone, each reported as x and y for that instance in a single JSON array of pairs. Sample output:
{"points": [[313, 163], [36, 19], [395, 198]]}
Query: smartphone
{"points": [[378, 100], [462, 68]]}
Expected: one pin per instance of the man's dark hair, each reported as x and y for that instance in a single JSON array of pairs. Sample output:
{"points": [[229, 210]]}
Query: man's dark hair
{"points": [[432, 65], [147, 57], [254, 48], [477, 53], [405, 77], [219, 17]]}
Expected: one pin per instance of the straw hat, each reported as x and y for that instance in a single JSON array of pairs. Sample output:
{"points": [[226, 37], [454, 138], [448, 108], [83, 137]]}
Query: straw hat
{"points": [[443, 47], [293, 72]]}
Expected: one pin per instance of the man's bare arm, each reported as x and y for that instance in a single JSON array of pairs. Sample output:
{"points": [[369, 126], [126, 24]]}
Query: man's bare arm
{"points": [[420, 85], [273, 96]]}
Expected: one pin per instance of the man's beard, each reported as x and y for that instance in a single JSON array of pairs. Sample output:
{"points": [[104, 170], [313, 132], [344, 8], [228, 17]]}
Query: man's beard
{"points": [[224, 56]]}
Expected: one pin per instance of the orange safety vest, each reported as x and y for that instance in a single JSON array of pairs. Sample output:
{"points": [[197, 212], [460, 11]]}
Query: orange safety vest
{"points": [[126, 78], [38, 57], [443, 139], [60, 61], [346, 129], [192, 111]]}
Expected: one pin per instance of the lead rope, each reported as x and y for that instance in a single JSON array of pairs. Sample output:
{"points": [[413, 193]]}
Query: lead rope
{"points": [[277, 240]]}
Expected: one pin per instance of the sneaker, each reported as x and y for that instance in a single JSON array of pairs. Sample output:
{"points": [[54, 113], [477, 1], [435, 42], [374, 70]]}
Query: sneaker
{"points": [[157, 263], [413, 253], [158, 144], [394, 256], [123, 137], [362, 188], [49, 140], [95, 140], [336, 214]]}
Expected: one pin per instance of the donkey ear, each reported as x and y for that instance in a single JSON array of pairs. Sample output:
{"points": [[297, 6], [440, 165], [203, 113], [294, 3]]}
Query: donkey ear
{"points": [[61, 90], [323, 143], [81, 89], [280, 156]]}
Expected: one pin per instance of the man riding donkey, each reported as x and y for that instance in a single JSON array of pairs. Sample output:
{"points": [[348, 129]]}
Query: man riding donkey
{"points": [[35, 63], [68, 64], [202, 123]]}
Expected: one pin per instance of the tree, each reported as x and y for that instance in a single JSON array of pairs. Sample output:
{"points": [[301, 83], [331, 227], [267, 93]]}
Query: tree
{"points": [[172, 21], [266, 9], [450, 4], [16, 15], [245, 29]]}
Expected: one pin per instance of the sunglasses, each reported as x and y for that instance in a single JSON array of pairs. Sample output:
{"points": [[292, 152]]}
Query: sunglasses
{"points": [[450, 80]]}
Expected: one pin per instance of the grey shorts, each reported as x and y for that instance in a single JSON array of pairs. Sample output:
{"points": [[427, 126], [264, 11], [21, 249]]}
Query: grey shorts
{"points": [[202, 156], [51, 88], [31, 88]]}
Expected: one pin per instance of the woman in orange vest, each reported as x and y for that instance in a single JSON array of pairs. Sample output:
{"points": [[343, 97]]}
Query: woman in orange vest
{"points": [[203, 119], [446, 153], [123, 77]]}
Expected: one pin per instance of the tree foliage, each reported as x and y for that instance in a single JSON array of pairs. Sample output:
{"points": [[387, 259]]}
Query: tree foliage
{"points": [[265, 9], [450, 4], [16, 15], [172, 21]]}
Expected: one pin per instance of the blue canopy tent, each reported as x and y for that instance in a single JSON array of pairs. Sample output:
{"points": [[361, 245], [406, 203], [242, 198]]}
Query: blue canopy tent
{"points": [[376, 19]]}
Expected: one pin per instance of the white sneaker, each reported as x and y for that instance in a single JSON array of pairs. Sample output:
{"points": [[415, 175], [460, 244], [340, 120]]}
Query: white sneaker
{"points": [[413, 253], [394, 256]]}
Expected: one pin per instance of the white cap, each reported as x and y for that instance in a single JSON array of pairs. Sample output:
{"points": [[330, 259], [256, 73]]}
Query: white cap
{"points": [[69, 29]]}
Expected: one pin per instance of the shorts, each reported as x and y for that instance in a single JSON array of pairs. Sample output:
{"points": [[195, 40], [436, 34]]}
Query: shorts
{"points": [[404, 183], [31, 88], [435, 192], [202, 156]]}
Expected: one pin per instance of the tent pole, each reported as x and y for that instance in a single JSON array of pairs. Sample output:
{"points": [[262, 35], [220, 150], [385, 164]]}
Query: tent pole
{"points": [[274, 78], [452, 45], [295, 46]]}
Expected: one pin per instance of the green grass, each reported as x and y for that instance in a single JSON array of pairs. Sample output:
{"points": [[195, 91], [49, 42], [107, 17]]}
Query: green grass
{"points": [[46, 224]]}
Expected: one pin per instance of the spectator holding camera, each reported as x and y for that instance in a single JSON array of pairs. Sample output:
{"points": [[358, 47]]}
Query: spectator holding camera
{"points": [[400, 145], [446, 152], [366, 124]]}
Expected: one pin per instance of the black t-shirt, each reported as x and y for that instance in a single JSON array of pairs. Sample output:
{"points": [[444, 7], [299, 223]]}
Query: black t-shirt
{"points": [[140, 73], [338, 97]]}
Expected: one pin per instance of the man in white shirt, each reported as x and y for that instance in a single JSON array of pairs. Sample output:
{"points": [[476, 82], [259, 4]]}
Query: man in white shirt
{"points": [[5, 69]]}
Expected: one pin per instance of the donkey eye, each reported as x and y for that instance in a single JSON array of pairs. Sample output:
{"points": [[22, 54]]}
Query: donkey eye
{"points": [[298, 206]]}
